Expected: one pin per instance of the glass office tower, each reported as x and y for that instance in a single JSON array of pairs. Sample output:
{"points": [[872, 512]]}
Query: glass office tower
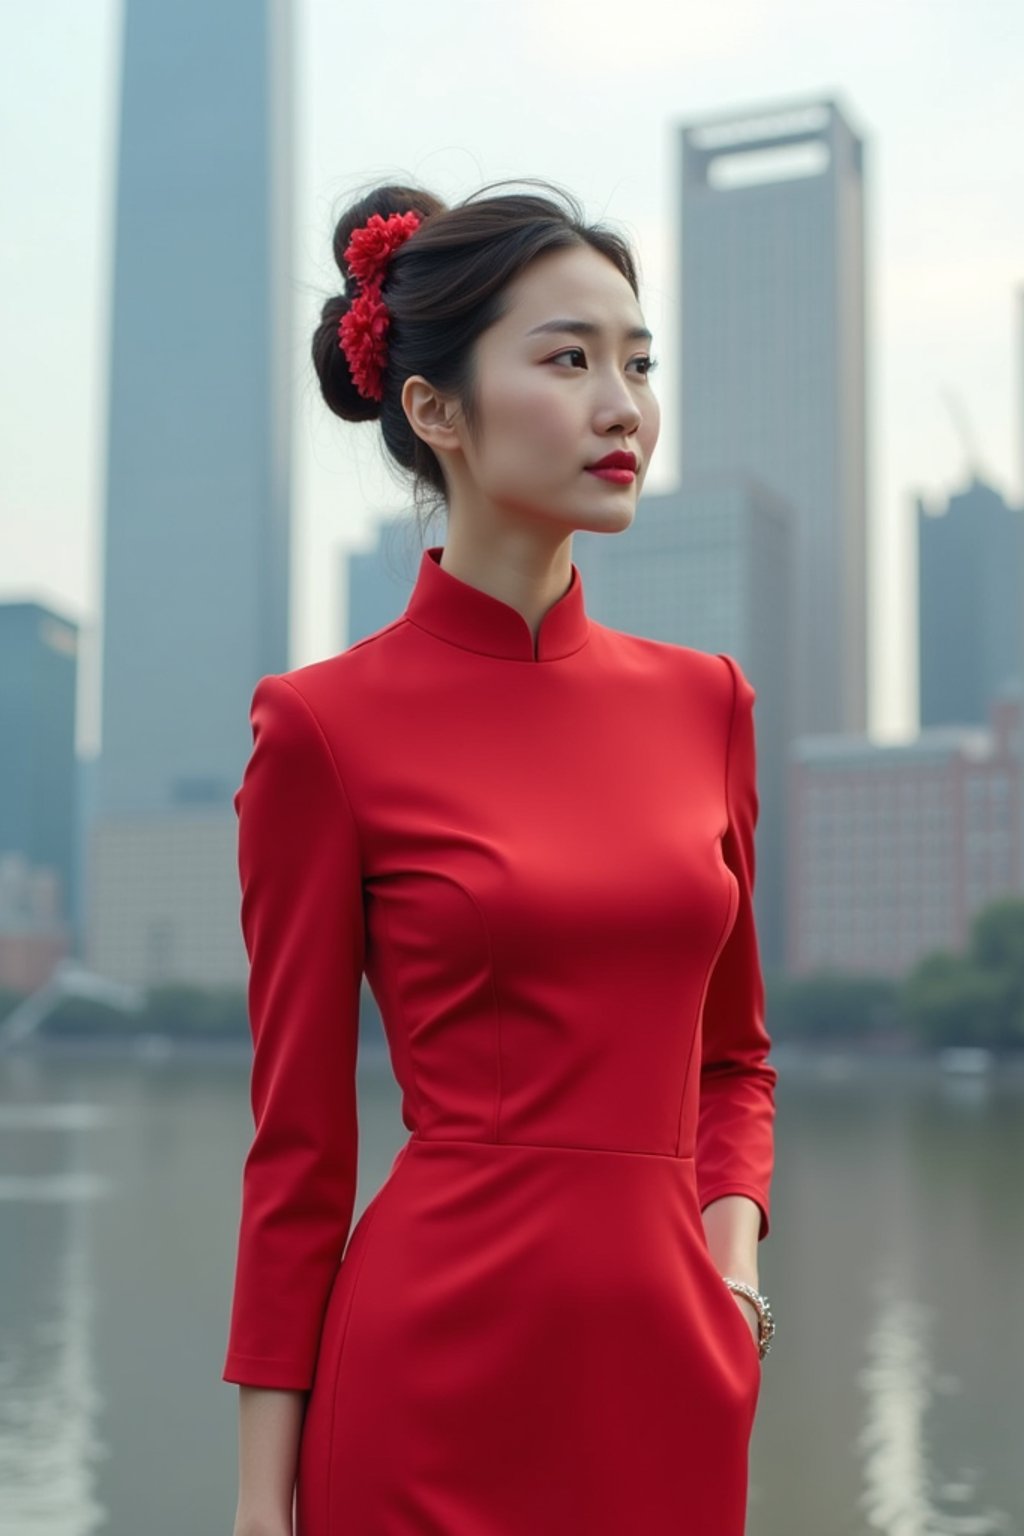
{"points": [[773, 350], [196, 561]]}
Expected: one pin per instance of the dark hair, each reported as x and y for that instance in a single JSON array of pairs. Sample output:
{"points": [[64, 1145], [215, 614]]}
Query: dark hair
{"points": [[444, 287]]}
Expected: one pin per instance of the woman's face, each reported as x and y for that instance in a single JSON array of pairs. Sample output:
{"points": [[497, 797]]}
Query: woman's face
{"points": [[552, 399]]}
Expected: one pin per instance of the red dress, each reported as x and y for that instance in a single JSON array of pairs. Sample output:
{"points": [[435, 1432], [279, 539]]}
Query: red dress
{"points": [[544, 863]]}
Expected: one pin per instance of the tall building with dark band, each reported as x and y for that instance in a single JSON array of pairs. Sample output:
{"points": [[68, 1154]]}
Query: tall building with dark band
{"points": [[773, 362], [196, 547]]}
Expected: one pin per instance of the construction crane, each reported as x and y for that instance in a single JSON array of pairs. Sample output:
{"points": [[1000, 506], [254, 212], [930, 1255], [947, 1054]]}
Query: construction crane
{"points": [[961, 423]]}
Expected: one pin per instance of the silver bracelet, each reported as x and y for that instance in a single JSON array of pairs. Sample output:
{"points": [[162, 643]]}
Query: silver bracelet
{"points": [[765, 1320]]}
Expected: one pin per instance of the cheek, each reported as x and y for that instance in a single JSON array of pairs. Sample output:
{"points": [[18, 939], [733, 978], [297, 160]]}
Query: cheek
{"points": [[534, 419]]}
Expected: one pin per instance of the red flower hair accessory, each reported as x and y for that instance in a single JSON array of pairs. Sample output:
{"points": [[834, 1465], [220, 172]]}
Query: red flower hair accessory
{"points": [[369, 249], [362, 332]]}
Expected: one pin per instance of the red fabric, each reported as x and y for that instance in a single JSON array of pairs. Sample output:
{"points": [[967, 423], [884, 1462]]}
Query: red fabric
{"points": [[544, 860]]}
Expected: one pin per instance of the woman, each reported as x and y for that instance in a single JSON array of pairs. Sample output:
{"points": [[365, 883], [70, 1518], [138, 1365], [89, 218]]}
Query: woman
{"points": [[535, 835]]}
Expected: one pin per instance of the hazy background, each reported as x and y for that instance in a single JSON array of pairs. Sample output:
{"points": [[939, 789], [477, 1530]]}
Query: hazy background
{"points": [[892, 1402], [587, 95]]}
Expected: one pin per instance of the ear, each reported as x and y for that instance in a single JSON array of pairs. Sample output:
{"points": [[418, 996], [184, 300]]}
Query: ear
{"points": [[429, 413]]}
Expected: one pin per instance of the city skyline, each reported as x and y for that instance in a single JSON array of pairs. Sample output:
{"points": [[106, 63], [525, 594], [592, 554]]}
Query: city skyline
{"points": [[940, 112]]}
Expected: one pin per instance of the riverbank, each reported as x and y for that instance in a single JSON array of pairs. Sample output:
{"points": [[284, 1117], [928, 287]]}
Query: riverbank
{"points": [[834, 1060]]}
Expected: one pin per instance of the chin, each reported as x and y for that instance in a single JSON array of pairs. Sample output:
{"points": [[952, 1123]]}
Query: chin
{"points": [[608, 520]]}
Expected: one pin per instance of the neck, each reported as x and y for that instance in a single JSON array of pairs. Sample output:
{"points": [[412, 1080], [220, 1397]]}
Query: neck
{"points": [[528, 572]]}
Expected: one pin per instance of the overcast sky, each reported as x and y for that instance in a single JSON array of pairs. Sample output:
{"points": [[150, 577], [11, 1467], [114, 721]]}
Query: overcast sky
{"points": [[588, 94]]}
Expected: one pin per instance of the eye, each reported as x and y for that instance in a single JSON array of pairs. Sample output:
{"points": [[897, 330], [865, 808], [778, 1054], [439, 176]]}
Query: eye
{"points": [[647, 364]]}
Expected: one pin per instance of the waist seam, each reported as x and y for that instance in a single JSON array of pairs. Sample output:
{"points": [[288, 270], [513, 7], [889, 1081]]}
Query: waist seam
{"points": [[415, 1140]]}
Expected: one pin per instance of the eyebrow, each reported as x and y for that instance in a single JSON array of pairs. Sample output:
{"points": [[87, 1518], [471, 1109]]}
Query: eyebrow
{"points": [[586, 328]]}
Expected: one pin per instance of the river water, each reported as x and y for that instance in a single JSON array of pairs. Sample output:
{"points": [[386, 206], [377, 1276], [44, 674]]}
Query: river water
{"points": [[892, 1401]]}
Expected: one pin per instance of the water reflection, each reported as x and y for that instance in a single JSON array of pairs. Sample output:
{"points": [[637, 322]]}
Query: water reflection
{"points": [[61, 1187], [65, 1116], [894, 1408], [49, 1399], [903, 1495], [969, 1092]]}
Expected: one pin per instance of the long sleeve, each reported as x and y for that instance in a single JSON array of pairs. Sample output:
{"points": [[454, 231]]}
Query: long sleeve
{"points": [[735, 1130], [303, 925]]}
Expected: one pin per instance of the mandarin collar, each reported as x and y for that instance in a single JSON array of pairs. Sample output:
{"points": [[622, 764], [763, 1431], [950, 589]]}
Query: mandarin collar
{"points": [[464, 615]]}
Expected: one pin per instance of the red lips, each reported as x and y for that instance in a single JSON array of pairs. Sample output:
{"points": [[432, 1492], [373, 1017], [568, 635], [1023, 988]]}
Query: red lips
{"points": [[617, 460]]}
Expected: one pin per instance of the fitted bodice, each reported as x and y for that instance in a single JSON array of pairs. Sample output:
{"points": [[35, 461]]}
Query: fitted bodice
{"points": [[542, 859]]}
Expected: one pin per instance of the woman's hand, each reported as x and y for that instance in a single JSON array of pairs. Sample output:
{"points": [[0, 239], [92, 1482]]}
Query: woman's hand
{"points": [[269, 1429], [731, 1227], [245, 1526], [749, 1311]]}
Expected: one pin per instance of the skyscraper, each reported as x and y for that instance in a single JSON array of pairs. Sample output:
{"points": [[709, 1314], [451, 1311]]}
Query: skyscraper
{"points": [[773, 352], [196, 557], [710, 566], [38, 681], [196, 564], [970, 604]]}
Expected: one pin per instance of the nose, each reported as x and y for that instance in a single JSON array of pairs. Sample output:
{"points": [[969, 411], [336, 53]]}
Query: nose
{"points": [[619, 410]]}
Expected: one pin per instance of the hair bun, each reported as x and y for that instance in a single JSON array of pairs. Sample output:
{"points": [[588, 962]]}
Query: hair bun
{"points": [[336, 382]]}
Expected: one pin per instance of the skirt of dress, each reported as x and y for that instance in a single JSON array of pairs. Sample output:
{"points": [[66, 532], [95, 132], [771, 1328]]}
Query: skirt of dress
{"points": [[529, 1341]]}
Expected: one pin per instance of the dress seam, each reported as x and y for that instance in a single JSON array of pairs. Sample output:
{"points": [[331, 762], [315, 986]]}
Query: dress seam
{"points": [[340, 1350], [731, 909], [346, 797], [543, 1146], [491, 969], [402, 1033]]}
